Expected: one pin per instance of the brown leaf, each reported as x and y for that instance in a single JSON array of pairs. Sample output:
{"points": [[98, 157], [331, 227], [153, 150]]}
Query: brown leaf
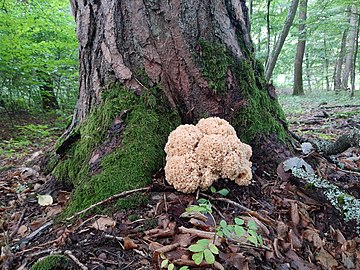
{"points": [[53, 211], [297, 262], [22, 230], [312, 236], [104, 223], [281, 230], [295, 217], [129, 244], [184, 239], [326, 259], [63, 197], [284, 176], [294, 239]]}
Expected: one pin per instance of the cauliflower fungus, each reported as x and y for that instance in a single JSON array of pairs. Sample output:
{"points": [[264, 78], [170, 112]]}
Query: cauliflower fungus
{"points": [[199, 155]]}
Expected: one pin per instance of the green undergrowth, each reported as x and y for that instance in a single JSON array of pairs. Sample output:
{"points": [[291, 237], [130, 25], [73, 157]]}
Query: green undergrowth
{"points": [[52, 262], [131, 164]]}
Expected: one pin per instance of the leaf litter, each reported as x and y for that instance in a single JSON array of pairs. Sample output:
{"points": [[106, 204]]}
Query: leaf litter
{"points": [[298, 226]]}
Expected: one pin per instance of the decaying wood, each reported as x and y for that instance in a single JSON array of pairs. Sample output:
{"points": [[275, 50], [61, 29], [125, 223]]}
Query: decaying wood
{"points": [[343, 143]]}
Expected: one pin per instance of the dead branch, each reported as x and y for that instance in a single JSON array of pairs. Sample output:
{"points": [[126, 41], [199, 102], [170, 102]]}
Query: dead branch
{"points": [[342, 143], [114, 197], [75, 260]]}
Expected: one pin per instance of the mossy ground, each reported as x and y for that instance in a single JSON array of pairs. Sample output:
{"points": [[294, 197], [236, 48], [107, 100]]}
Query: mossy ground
{"points": [[52, 262], [261, 114], [131, 164]]}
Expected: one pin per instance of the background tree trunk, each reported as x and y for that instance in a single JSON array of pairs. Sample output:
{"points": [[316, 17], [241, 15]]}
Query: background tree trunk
{"points": [[298, 88], [339, 63], [353, 71], [269, 69], [350, 46], [146, 66]]}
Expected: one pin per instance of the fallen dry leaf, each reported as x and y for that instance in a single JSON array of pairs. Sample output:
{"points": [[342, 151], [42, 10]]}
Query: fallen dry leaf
{"points": [[54, 210], [129, 244], [312, 236], [22, 230], [326, 259], [104, 223]]}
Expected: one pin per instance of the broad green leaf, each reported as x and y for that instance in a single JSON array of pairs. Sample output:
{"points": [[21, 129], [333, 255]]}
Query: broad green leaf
{"points": [[184, 267], [196, 248], [171, 266], [239, 221], [223, 192], [253, 239], [252, 225], [239, 231], [213, 248], [203, 242], [212, 189], [209, 257], [198, 257], [164, 263], [223, 223]]}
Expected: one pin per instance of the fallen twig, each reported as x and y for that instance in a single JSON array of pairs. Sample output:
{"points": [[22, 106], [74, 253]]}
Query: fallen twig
{"points": [[238, 205], [71, 256], [114, 197], [18, 224], [32, 235], [167, 248]]}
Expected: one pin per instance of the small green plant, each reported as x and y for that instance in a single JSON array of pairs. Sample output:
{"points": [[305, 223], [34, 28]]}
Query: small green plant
{"points": [[203, 207], [204, 249], [223, 192], [240, 230], [165, 263]]}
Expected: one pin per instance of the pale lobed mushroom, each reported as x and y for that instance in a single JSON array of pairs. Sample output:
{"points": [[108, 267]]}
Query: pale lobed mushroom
{"points": [[199, 155]]}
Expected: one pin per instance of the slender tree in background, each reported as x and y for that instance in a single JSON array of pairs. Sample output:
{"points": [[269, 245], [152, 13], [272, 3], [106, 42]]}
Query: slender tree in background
{"points": [[270, 65], [144, 68], [268, 32], [326, 66], [353, 71], [298, 88], [350, 48], [339, 63]]}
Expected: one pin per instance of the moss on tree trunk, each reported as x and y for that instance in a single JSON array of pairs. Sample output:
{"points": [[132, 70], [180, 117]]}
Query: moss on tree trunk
{"points": [[119, 147]]}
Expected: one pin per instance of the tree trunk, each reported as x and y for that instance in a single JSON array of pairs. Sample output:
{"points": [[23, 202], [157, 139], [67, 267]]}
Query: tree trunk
{"points": [[353, 71], [268, 33], [269, 69], [144, 68], [48, 98], [339, 63], [350, 47], [326, 69], [308, 74], [298, 88]]}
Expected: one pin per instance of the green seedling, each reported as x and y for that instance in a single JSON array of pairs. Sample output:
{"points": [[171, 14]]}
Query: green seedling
{"points": [[204, 249]]}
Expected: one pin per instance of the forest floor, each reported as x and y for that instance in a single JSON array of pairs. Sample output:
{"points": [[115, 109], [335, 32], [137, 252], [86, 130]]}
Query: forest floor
{"points": [[287, 223]]}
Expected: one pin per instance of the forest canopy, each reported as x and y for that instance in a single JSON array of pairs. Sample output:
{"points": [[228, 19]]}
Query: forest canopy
{"points": [[38, 55]]}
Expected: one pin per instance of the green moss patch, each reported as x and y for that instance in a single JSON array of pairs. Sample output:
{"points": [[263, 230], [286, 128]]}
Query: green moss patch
{"points": [[52, 262], [260, 114], [131, 164], [215, 63]]}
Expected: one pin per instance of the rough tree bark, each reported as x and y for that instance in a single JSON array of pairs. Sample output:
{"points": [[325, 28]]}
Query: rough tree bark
{"points": [[144, 68], [298, 88]]}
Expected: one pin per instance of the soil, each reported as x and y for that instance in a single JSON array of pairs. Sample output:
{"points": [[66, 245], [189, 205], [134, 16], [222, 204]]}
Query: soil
{"points": [[298, 227]]}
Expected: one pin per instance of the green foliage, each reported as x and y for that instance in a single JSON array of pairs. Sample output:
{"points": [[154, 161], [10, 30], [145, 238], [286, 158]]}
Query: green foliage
{"points": [[203, 249], [223, 192], [38, 47], [52, 262], [203, 207]]}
